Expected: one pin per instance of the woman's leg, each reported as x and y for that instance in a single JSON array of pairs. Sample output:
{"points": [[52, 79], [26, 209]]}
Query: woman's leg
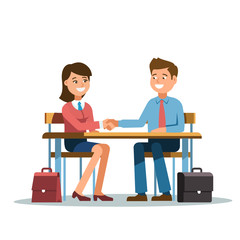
{"points": [[102, 168], [97, 152]]}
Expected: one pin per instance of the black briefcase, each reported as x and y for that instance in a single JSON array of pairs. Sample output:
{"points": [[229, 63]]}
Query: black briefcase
{"points": [[195, 186]]}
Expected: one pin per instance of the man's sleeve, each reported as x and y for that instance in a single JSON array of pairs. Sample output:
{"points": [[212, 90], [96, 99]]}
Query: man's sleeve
{"points": [[138, 122], [179, 126]]}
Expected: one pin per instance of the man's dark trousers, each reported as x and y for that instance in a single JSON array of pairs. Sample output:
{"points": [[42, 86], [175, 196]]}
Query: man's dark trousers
{"points": [[157, 147]]}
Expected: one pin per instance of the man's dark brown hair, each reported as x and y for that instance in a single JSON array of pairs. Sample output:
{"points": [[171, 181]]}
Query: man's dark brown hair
{"points": [[158, 63], [77, 68]]}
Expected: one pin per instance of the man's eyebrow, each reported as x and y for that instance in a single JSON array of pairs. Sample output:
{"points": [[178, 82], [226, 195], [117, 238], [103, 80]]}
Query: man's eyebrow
{"points": [[154, 74], [84, 77], [73, 78], [164, 74]]}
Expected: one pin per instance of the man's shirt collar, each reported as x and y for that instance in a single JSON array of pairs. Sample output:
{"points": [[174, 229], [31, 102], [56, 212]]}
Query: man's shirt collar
{"points": [[158, 99]]}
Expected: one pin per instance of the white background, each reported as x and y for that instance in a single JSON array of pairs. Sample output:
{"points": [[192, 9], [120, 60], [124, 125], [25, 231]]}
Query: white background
{"points": [[117, 40]]}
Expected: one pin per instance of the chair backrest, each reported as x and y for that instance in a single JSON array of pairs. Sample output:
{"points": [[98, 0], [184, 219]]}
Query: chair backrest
{"points": [[190, 118], [53, 118], [57, 118]]}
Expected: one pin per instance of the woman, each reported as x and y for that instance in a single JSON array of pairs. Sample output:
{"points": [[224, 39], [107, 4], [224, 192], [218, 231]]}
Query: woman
{"points": [[78, 117]]}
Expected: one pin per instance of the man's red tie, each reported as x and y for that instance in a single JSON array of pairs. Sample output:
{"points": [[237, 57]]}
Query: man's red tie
{"points": [[162, 119]]}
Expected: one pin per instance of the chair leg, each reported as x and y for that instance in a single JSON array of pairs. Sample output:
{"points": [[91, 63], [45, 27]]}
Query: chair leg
{"points": [[80, 170], [49, 147], [191, 155], [49, 153], [64, 179], [173, 179], [155, 183], [191, 149]]}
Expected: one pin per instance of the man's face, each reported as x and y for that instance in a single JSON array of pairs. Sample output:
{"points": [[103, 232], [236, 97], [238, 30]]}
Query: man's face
{"points": [[161, 80], [78, 85]]}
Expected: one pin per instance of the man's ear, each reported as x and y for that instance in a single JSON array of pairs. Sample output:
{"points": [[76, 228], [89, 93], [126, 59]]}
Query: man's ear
{"points": [[174, 78], [65, 83]]}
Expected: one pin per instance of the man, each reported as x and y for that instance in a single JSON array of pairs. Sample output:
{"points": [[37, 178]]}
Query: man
{"points": [[163, 114]]}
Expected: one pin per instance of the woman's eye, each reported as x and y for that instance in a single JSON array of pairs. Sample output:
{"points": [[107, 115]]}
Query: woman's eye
{"points": [[75, 81]]}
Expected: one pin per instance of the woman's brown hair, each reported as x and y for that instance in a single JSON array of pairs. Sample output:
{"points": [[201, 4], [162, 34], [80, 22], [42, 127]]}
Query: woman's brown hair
{"points": [[77, 68]]}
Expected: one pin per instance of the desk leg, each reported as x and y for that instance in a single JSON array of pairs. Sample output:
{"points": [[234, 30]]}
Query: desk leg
{"points": [[173, 179], [58, 157], [185, 154]]}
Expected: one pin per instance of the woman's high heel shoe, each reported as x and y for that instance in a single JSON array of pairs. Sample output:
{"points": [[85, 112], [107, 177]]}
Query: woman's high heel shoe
{"points": [[102, 198], [80, 198]]}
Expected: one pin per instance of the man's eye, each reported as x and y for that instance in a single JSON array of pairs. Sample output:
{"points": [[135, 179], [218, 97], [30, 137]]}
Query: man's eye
{"points": [[75, 81], [164, 77], [154, 77], [85, 80]]}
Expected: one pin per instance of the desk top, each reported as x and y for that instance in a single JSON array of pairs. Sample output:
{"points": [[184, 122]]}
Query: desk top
{"points": [[120, 135]]}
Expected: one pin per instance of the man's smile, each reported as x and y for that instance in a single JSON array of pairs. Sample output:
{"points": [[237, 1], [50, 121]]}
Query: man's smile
{"points": [[159, 85], [81, 89]]}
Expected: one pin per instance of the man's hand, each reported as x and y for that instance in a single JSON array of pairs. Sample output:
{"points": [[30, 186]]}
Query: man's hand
{"points": [[105, 123], [110, 124], [163, 129]]}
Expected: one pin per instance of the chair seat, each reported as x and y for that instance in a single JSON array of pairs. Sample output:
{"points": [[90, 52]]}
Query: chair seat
{"points": [[74, 154], [167, 154], [89, 154]]}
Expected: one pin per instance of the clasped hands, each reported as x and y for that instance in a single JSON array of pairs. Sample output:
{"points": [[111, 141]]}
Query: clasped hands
{"points": [[110, 124]]}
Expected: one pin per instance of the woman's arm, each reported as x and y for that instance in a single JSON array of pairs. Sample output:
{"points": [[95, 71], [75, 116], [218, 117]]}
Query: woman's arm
{"points": [[90, 119], [79, 126]]}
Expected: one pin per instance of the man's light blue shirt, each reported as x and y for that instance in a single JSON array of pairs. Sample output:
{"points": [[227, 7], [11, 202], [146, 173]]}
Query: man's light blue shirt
{"points": [[173, 113]]}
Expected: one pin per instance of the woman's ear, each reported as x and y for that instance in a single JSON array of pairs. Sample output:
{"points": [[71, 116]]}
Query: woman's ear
{"points": [[65, 82]]}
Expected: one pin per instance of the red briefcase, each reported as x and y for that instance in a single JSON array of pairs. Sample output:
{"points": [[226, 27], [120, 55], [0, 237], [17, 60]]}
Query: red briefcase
{"points": [[46, 187]]}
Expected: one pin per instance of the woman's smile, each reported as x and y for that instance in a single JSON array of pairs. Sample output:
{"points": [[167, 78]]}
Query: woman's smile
{"points": [[81, 89]]}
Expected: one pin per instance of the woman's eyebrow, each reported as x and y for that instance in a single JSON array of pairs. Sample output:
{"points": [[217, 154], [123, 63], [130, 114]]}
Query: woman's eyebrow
{"points": [[73, 78]]}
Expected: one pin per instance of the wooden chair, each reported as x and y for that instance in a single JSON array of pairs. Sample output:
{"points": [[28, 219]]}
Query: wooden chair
{"points": [[190, 118], [57, 118]]}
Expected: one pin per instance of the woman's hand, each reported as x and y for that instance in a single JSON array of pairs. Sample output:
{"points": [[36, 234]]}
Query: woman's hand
{"points": [[110, 124]]}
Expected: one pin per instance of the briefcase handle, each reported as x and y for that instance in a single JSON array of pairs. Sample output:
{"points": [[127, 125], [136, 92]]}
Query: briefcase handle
{"points": [[196, 169], [47, 169]]}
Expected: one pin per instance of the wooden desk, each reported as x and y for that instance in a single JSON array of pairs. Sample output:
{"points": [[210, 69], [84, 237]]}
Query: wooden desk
{"points": [[122, 135], [184, 136]]}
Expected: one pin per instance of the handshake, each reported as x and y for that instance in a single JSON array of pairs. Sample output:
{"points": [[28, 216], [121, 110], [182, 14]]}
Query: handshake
{"points": [[110, 124]]}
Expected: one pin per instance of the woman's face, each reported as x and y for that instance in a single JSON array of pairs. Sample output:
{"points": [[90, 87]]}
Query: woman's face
{"points": [[78, 85]]}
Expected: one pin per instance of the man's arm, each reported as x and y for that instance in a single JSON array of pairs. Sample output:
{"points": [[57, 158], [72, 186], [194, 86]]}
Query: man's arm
{"points": [[179, 126], [130, 123], [180, 123]]}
